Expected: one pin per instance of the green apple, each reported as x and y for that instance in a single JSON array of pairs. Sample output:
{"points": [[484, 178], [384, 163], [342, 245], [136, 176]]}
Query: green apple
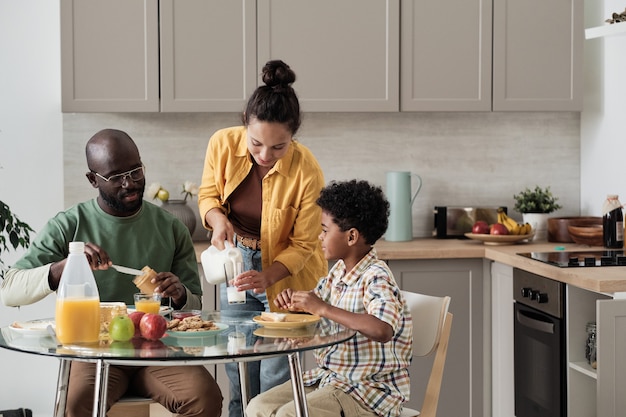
{"points": [[121, 329], [163, 195]]}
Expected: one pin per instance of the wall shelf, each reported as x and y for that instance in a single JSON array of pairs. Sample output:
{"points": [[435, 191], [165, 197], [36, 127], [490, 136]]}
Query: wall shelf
{"points": [[606, 30]]}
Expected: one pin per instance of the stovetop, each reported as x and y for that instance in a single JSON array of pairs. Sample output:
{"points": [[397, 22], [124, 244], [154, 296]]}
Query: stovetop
{"points": [[609, 257]]}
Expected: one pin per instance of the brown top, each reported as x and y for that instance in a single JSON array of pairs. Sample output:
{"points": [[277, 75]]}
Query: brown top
{"points": [[246, 204]]}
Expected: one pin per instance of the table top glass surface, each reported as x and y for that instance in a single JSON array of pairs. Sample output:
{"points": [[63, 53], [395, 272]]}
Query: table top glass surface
{"points": [[239, 337]]}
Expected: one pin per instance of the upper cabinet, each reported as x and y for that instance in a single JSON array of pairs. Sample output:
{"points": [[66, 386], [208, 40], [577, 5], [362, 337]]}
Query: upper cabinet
{"points": [[151, 55], [345, 52], [348, 55], [538, 55], [446, 55], [109, 55]]}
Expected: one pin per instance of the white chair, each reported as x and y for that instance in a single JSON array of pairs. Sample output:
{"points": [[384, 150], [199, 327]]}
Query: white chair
{"points": [[431, 332]]}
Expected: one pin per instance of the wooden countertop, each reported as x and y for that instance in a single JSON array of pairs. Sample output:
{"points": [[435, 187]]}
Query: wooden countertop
{"points": [[600, 279]]}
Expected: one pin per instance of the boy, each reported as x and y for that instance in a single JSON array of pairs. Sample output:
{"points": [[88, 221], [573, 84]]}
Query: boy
{"points": [[366, 375]]}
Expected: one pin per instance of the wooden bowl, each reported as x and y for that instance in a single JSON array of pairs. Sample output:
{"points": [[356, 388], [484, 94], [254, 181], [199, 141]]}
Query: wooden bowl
{"points": [[587, 235], [557, 227]]}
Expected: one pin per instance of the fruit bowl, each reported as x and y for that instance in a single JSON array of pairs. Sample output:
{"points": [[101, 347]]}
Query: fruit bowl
{"points": [[586, 235], [499, 239]]}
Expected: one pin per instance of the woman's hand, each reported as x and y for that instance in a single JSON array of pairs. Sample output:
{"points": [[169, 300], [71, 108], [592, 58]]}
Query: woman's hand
{"points": [[260, 281], [222, 228]]}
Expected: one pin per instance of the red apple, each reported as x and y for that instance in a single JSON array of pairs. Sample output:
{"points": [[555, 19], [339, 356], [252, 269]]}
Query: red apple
{"points": [[136, 316], [152, 326], [480, 228], [498, 229]]}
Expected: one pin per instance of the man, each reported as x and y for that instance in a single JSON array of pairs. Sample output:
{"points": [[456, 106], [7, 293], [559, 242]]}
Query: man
{"points": [[135, 233]]}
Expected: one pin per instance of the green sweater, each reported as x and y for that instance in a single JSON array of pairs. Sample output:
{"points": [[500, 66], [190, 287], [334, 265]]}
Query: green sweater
{"points": [[152, 237]]}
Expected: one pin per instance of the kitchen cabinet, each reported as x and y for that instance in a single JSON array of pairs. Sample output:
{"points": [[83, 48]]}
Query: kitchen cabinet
{"points": [[601, 391], [157, 55], [198, 56], [345, 53], [465, 381], [446, 55], [537, 55], [365, 55]]}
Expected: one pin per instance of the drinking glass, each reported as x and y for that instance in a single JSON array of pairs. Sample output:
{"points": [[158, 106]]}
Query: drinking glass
{"points": [[148, 303]]}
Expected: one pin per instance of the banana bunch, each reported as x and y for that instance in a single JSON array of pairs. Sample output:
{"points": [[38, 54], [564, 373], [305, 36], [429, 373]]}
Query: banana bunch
{"points": [[512, 226]]}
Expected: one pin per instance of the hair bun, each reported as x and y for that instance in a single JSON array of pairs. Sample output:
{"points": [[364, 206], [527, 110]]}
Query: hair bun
{"points": [[278, 74]]}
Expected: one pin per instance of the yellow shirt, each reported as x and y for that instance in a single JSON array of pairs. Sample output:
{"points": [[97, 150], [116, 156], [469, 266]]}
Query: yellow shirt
{"points": [[290, 219]]}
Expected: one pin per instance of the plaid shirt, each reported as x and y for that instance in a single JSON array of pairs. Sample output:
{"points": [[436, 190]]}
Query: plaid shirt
{"points": [[374, 373]]}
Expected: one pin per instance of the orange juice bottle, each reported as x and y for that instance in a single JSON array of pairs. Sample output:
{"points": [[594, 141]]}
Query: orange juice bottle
{"points": [[77, 315]]}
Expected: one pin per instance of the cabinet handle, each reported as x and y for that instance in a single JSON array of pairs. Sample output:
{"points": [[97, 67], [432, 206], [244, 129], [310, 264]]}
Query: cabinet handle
{"points": [[535, 324]]}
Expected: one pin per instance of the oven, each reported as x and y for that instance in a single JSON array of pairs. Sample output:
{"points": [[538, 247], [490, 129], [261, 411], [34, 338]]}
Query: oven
{"points": [[540, 368]]}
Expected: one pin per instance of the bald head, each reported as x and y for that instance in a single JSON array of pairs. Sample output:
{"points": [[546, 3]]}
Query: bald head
{"points": [[110, 148]]}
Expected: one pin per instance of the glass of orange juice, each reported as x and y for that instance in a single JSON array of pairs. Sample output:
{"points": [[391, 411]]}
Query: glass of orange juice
{"points": [[148, 303]]}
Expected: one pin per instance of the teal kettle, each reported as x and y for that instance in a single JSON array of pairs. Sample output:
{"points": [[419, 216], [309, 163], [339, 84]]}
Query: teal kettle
{"points": [[401, 198]]}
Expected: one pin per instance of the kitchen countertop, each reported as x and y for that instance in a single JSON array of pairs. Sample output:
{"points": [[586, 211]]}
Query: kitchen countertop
{"points": [[599, 279]]}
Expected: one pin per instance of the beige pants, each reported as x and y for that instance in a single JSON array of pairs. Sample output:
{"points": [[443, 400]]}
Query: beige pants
{"points": [[189, 391], [323, 402]]}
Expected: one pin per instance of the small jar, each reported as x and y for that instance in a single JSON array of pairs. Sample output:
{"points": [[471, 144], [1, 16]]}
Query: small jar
{"points": [[590, 348]]}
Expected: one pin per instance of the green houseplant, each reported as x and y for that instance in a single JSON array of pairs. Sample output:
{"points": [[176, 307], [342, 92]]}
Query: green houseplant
{"points": [[535, 205], [13, 232], [538, 200]]}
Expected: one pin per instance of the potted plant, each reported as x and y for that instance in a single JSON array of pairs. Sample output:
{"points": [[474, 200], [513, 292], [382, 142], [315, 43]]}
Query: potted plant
{"points": [[13, 231], [535, 205]]}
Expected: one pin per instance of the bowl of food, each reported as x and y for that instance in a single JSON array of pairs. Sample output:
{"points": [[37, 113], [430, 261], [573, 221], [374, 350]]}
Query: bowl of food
{"points": [[181, 314], [557, 227], [587, 235]]}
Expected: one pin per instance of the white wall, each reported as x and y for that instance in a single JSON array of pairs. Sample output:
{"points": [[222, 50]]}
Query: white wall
{"points": [[603, 132], [31, 170]]}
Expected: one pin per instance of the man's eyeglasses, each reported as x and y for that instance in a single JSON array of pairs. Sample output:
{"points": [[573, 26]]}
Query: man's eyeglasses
{"points": [[136, 174]]}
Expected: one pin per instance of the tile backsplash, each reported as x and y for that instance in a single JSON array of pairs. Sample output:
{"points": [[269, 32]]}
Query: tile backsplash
{"points": [[462, 158]]}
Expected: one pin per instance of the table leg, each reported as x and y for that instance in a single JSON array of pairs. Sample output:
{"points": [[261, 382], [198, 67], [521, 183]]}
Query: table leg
{"points": [[245, 385], [62, 382], [100, 389], [299, 397]]}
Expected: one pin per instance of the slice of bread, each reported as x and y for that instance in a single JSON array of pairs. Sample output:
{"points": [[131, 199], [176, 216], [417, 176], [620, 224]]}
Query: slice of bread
{"points": [[143, 282], [275, 317]]}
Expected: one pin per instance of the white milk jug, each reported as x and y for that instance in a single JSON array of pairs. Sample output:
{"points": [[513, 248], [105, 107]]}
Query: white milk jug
{"points": [[216, 263]]}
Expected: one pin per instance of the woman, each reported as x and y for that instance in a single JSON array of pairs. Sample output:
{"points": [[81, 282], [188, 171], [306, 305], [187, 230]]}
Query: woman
{"points": [[259, 188]]}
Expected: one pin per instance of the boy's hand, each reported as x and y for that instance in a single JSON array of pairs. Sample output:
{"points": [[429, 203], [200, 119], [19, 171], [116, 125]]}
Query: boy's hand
{"points": [[283, 299], [306, 301]]}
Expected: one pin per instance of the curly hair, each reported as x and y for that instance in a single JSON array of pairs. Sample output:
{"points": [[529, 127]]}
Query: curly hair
{"points": [[276, 101], [357, 204]]}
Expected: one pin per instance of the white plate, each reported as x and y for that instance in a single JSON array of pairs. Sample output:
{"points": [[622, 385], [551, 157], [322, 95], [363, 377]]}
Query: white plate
{"points": [[186, 335], [164, 310], [33, 328]]}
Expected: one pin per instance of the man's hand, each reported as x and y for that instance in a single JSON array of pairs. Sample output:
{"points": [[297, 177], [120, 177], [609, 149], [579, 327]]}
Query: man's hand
{"points": [[169, 285]]}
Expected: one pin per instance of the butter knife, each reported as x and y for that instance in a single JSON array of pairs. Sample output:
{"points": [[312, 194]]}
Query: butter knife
{"points": [[129, 271]]}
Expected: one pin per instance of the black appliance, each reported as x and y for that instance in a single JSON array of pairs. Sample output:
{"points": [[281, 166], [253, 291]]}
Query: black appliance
{"points": [[608, 257], [539, 346]]}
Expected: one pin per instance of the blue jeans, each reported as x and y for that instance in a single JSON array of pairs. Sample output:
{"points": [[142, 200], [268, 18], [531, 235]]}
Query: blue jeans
{"points": [[263, 374]]}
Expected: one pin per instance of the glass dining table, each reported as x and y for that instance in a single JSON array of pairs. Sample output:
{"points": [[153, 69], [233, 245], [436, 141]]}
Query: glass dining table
{"points": [[237, 336]]}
